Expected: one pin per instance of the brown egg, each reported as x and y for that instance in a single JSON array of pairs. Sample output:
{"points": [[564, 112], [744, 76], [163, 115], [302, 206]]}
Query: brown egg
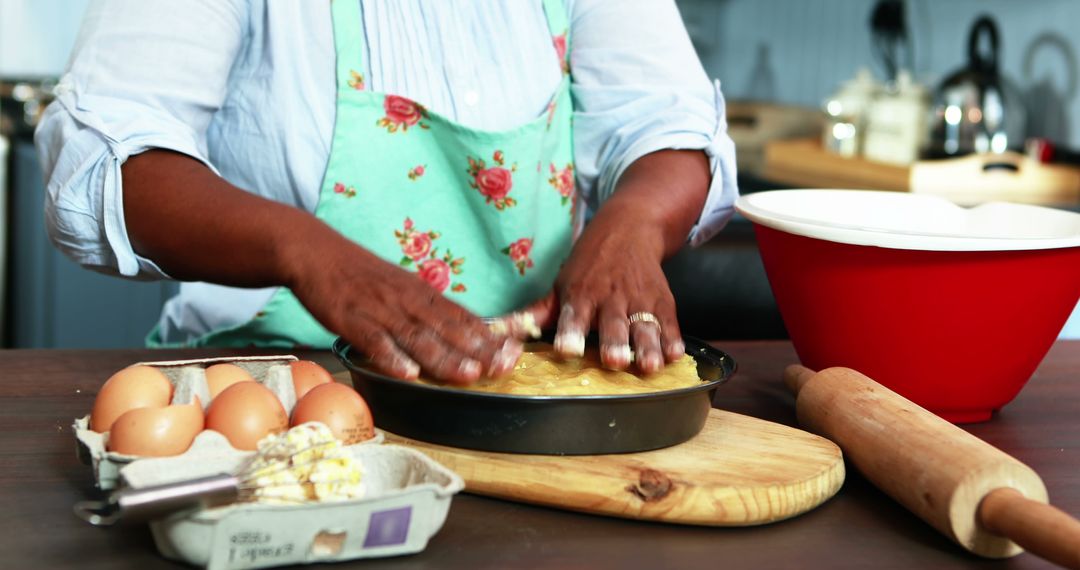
{"points": [[307, 375], [245, 413], [156, 432], [340, 408], [221, 376], [133, 387]]}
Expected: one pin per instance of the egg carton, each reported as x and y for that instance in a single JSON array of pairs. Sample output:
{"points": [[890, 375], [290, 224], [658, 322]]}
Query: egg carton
{"points": [[407, 497], [189, 381]]}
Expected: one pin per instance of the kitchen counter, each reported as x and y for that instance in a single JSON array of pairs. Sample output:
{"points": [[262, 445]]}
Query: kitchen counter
{"points": [[40, 479]]}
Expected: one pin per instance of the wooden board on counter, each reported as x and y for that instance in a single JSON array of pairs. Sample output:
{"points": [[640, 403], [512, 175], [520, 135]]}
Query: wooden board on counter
{"points": [[969, 180], [739, 471], [803, 163], [753, 124], [975, 179]]}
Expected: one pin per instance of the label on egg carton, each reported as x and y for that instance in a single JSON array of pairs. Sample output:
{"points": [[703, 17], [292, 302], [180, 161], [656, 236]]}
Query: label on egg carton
{"points": [[188, 378]]}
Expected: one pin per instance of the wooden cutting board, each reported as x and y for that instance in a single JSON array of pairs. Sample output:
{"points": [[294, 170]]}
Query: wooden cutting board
{"points": [[738, 471]]}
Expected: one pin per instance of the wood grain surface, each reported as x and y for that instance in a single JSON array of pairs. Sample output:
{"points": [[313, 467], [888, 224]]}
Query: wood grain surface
{"points": [[739, 471], [40, 479], [937, 470]]}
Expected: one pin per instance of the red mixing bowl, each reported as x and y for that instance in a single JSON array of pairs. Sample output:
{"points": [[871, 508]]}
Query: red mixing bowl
{"points": [[951, 307]]}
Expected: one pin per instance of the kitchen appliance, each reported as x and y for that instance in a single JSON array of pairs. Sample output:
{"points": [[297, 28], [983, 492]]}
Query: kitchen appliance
{"points": [[21, 103], [4, 146], [889, 38], [739, 471], [973, 493], [557, 425], [977, 109], [846, 114], [895, 129], [952, 308]]}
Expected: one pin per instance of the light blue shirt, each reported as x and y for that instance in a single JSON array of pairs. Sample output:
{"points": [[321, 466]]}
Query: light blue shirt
{"points": [[247, 87]]}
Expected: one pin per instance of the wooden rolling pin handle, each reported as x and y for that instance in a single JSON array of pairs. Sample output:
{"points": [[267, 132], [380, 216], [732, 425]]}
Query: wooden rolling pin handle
{"points": [[1041, 529], [967, 489], [796, 376]]}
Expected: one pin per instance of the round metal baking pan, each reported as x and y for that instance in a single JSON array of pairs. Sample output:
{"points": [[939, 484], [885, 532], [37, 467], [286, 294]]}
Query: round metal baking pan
{"points": [[549, 425]]}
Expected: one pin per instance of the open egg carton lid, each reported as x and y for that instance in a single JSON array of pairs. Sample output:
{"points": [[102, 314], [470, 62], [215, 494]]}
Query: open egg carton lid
{"points": [[189, 381], [406, 499]]}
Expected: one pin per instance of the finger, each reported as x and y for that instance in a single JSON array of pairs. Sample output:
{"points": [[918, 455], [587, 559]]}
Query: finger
{"points": [[647, 351], [505, 358], [670, 335], [462, 330], [465, 334], [437, 358], [574, 320], [474, 340], [384, 353], [545, 310], [614, 335], [519, 325]]}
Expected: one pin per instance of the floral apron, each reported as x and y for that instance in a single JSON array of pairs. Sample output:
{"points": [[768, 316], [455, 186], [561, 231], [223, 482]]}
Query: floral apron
{"points": [[485, 217]]}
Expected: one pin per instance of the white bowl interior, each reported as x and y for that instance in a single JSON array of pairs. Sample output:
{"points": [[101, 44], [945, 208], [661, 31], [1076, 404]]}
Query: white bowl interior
{"points": [[911, 221]]}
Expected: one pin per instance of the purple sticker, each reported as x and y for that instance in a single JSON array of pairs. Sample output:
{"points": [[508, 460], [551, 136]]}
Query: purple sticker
{"points": [[388, 528]]}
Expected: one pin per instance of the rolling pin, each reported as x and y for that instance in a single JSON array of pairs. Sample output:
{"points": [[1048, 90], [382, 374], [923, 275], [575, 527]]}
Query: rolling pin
{"points": [[970, 491]]}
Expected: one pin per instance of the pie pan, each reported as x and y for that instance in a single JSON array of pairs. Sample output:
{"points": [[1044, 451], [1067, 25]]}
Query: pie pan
{"points": [[549, 425]]}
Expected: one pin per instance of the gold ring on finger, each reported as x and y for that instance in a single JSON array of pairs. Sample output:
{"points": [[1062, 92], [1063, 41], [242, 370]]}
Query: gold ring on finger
{"points": [[644, 317]]}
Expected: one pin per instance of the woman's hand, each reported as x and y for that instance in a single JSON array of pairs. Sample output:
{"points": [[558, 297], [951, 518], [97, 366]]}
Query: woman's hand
{"points": [[614, 271], [612, 274], [398, 320], [198, 227]]}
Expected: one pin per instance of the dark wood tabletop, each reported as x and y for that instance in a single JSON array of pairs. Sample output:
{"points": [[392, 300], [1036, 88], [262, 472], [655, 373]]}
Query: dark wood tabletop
{"points": [[41, 392]]}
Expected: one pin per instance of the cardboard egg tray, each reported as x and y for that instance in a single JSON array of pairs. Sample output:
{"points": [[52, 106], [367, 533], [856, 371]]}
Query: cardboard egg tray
{"points": [[189, 381], [406, 500]]}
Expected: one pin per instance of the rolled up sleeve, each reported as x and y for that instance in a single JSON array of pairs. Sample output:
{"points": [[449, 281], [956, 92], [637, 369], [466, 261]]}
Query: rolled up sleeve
{"points": [[639, 87], [144, 74]]}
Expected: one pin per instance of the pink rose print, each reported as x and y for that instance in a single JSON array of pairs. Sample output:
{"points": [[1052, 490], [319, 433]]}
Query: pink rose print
{"points": [[356, 80], [348, 192], [563, 181], [519, 254], [417, 246], [560, 50], [550, 112], [416, 172], [402, 113], [436, 272], [418, 249], [493, 183], [519, 250]]}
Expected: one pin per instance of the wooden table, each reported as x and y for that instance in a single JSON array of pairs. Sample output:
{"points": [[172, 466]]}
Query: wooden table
{"points": [[40, 478]]}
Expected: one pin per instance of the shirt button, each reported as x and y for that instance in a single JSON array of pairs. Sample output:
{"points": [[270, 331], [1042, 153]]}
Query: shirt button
{"points": [[472, 98]]}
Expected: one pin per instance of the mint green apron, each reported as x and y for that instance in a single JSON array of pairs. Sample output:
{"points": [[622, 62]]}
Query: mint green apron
{"points": [[485, 217]]}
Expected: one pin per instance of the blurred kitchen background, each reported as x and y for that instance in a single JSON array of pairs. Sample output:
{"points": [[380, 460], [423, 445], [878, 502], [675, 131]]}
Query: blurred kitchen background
{"points": [[800, 110]]}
